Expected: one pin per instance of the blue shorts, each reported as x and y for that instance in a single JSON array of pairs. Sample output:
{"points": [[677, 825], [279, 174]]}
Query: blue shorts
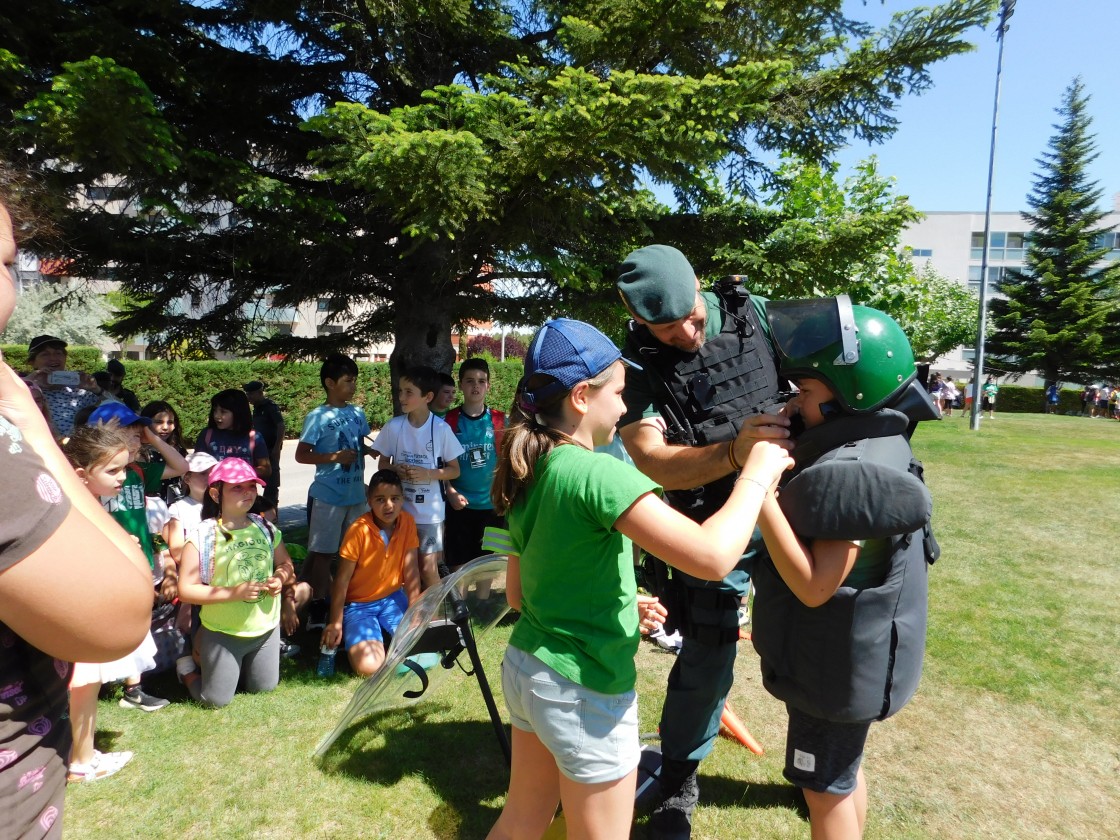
{"points": [[821, 755], [593, 737], [371, 621]]}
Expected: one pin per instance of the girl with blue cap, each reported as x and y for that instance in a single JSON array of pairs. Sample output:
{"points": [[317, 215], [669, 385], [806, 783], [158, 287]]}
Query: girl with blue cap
{"points": [[568, 673]]}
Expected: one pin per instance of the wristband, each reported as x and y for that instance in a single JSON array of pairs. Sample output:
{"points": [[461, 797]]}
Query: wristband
{"points": [[735, 465]]}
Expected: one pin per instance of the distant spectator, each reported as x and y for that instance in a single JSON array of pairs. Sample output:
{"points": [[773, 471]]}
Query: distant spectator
{"points": [[949, 396], [1103, 393], [268, 422], [1052, 398], [1088, 399], [988, 400], [116, 385], [444, 397], [47, 354]]}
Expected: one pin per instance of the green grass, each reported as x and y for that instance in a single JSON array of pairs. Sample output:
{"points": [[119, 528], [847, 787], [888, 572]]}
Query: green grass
{"points": [[1014, 733]]}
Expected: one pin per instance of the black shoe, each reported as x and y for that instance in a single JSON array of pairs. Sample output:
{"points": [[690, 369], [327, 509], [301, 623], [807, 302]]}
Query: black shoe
{"points": [[317, 612], [672, 819]]}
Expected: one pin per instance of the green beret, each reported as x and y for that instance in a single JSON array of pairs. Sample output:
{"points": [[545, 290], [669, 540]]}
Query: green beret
{"points": [[658, 284]]}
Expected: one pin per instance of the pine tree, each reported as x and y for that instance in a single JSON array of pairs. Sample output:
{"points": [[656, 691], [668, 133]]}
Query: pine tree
{"points": [[401, 162], [1061, 312]]}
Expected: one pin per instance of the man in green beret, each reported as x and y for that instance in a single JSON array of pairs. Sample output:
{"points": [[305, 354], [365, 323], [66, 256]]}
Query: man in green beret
{"points": [[692, 415]]}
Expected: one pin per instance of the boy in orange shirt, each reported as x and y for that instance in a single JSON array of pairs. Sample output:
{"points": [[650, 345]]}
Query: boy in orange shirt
{"points": [[378, 576]]}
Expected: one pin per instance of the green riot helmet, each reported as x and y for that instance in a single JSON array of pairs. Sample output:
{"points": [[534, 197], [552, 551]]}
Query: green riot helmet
{"points": [[862, 354]]}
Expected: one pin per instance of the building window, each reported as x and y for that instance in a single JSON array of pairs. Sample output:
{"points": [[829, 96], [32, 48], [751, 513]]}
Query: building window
{"points": [[995, 274], [323, 305], [976, 251], [921, 252]]}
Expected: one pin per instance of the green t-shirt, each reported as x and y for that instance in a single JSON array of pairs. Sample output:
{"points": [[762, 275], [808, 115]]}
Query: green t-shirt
{"points": [[129, 507], [578, 594], [246, 556]]}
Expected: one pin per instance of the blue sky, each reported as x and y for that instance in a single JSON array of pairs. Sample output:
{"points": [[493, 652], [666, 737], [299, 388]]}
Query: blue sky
{"points": [[939, 155]]}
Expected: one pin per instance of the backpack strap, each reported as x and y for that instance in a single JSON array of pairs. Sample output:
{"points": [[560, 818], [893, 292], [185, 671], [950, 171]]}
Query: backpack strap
{"points": [[207, 537]]}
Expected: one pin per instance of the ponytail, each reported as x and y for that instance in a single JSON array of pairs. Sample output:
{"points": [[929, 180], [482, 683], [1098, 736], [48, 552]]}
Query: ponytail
{"points": [[531, 434]]}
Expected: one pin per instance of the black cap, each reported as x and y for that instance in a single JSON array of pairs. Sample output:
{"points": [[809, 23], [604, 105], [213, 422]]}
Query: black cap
{"points": [[41, 341], [252, 387]]}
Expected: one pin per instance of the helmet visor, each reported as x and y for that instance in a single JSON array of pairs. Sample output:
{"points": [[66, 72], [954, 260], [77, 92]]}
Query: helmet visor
{"points": [[803, 328]]}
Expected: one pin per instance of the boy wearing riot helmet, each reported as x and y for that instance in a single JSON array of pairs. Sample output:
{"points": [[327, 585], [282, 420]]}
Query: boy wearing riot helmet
{"points": [[840, 606]]}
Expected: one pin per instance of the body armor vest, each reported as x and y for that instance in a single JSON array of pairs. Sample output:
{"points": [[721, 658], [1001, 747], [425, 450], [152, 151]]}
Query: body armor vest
{"points": [[704, 396]]}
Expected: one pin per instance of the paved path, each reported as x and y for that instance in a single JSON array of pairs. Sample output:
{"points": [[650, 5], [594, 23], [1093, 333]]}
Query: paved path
{"points": [[294, 481]]}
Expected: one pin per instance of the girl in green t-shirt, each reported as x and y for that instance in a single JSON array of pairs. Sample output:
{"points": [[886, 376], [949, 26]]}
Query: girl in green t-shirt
{"points": [[240, 577], [568, 674]]}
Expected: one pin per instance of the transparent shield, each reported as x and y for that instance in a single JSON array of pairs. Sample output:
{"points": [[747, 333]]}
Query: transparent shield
{"points": [[427, 645], [803, 328]]}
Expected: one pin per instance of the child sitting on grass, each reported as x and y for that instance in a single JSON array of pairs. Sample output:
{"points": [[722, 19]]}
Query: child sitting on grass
{"points": [[377, 576]]}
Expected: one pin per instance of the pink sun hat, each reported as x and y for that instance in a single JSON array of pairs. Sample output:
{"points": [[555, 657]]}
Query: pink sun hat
{"points": [[234, 471]]}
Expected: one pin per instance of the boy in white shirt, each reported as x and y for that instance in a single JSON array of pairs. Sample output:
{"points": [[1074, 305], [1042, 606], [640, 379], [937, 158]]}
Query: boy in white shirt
{"points": [[423, 451]]}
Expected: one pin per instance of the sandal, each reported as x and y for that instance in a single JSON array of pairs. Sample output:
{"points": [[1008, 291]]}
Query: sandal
{"points": [[102, 766]]}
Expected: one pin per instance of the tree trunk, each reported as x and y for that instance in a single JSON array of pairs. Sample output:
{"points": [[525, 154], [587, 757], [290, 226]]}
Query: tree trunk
{"points": [[423, 336]]}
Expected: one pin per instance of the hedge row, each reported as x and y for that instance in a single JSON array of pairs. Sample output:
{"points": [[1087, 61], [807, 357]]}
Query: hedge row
{"points": [[294, 386], [296, 389]]}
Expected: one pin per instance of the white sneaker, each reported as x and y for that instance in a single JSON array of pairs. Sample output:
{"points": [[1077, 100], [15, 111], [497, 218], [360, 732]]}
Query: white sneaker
{"points": [[102, 766], [664, 640]]}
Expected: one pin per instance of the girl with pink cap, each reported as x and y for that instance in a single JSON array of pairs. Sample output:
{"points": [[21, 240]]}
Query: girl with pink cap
{"points": [[236, 567]]}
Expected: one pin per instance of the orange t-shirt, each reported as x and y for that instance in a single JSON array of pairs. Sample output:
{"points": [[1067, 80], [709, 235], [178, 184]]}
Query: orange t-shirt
{"points": [[380, 570]]}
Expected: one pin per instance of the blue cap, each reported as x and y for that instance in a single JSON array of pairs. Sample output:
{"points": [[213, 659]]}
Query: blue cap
{"points": [[568, 351], [125, 416]]}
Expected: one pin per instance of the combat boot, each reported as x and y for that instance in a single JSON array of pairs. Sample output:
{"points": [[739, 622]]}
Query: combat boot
{"points": [[672, 819]]}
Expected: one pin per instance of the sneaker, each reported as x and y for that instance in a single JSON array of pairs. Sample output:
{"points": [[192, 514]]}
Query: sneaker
{"points": [[289, 650], [137, 698], [184, 665], [317, 614], [101, 767], [744, 615], [667, 641]]}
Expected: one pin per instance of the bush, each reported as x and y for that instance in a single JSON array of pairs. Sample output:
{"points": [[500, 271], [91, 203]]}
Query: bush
{"points": [[294, 386], [490, 345], [1019, 399]]}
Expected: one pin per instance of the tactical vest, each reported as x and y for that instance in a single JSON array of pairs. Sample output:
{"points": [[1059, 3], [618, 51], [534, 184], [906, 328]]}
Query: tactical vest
{"points": [[704, 396], [857, 657]]}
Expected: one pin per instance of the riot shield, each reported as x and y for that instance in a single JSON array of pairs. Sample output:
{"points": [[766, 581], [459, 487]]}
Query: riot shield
{"points": [[436, 637]]}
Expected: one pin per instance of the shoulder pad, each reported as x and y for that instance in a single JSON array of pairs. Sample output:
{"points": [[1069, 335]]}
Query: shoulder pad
{"points": [[855, 497]]}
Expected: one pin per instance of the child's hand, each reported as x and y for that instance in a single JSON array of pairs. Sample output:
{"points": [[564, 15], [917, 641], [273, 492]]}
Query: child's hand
{"points": [[273, 586], [346, 456], [332, 635], [289, 619], [169, 588], [766, 463], [150, 436], [651, 613], [250, 592], [457, 500]]}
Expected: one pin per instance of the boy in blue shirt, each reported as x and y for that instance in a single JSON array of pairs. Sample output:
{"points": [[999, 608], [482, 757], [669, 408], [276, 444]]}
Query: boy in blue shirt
{"points": [[479, 429], [423, 451], [332, 440]]}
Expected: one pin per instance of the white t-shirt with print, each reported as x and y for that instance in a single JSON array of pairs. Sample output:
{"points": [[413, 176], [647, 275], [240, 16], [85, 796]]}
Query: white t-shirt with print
{"points": [[422, 447]]}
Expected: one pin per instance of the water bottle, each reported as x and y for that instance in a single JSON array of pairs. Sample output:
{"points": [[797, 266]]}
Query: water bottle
{"points": [[326, 661]]}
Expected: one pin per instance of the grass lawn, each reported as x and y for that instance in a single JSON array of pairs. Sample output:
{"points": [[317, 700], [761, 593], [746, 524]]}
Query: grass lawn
{"points": [[1014, 733]]}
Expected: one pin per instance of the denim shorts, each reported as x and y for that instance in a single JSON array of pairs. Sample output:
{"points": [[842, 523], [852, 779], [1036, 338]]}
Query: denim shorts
{"points": [[592, 736], [371, 621], [431, 537]]}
